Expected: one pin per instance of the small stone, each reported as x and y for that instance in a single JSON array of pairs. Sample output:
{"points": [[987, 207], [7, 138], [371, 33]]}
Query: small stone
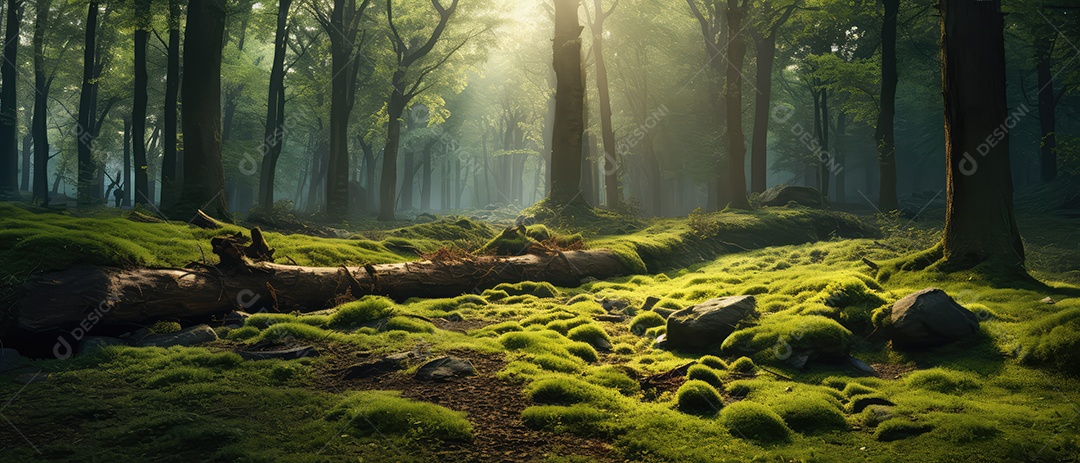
{"points": [[10, 359], [650, 302], [445, 368], [236, 317], [1048, 300], [392, 362], [199, 334], [861, 366]]}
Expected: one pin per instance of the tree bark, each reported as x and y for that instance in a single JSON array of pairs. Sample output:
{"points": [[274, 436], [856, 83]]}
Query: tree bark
{"points": [[274, 133], [733, 106], [979, 225], [1048, 168], [65, 298], [83, 130], [42, 85], [887, 200], [138, 117], [169, 161], [569, 125], [611, 166], [9, 115], [759, 142], [204, 175], [27, 160], [126, 188]]}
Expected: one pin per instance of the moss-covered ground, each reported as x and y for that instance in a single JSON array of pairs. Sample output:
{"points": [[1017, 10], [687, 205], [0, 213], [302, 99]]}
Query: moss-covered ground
{"points": [[1012, 393]]}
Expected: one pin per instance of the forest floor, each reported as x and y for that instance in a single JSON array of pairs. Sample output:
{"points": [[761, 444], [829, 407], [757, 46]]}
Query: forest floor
{"points": [[547, 388]]}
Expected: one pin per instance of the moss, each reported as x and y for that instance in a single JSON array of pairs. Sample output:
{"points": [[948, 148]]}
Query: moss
{"points": [[541, 289], [645, 320], [778, 335], [613, 378], [510, 242], [408, 324], [960, 429], [589, 333], [854, 389], [263, 321], [704, 373], [564, 326], [382, 412], [555, 363], [583, 351], [1055, 341], [581, 420], [942, 380], [809, 414], [164, 327], [243, 333], [180, 375], [713, 362], [698, 398], [493, 295], [623, 348], [357, 313], [498, 328], [563, 390], [743, 365], [754, 421], [900, 428]]}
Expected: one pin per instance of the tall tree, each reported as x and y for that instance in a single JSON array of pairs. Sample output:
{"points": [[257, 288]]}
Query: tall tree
{"points": [[611, 166], [342, 25], [887, 113], [87, 104], [169, 161], [736, 53], [979, 224], [204, 175], [9, 116], [710, 17], [403, 92], [274, 133], [765, 48], [569, 126], [1044, 52], [42, 85], [138, 112]]}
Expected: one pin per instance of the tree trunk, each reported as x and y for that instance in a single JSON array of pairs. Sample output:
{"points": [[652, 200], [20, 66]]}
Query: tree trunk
{"points": [[83, 131], [126, 188], [138, 117], [1047, 110], [839, 156], [274, 132], [569, 125], [388, 185], [343, 87], [425, 176], [39, 125], [63, 299], [887, 200], [369, 174], [407, 180], [27, 160], [759, 142], [204, 175], [169, 161], [611, 167], [733, 107], [9, 115], [979, 225], [824, 157]]}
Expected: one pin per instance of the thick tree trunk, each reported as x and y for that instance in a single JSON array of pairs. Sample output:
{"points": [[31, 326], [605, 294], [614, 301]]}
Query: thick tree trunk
{"points": [[39, 125], [83, 130], [979, 225], [1047, 110], [343, 86], [824, 157], [169, 161], [274, 132], [9, 115], [138, 117], [65, 298], [887, 200], [126, 188], [388, 181], [733, 107], [611, 167], [759, 143], [27, 160], [204, 175], [569, 125]]}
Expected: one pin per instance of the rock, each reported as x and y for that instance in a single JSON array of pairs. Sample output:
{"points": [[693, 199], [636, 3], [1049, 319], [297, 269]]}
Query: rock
{"points": [[92, 343], [783, 194], [236, 317], [1048, 300], [650, 302], [135, 336], [392, 362], [286, 354], [10, 359], [861, 366], [445, 368], [706, 325], [930, 318], [613, 318], [615, 305], [195, 335]]}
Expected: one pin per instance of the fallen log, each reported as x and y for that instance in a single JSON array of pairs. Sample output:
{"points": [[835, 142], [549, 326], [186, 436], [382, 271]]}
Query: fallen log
{"points": [[94, 294]]}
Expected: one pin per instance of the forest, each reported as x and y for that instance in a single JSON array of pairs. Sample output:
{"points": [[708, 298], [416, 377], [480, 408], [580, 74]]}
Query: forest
{"points": [[540, 230]]}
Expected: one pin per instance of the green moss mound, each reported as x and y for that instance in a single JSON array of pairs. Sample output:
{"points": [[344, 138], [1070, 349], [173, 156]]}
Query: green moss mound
{"points": [[779, 335], [704, 373], [382, 412], [590, 333], [563, 390], [531, 288], [645, 320], [358, 313], [754, 421], [900, 428], [809, 415], [743, 365], [943, 380], [582, 420], [612, 377], [697, 397]]}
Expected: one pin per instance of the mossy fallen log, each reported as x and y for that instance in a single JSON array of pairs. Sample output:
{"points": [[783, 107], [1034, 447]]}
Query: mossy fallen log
{"points": [[95, 294]]}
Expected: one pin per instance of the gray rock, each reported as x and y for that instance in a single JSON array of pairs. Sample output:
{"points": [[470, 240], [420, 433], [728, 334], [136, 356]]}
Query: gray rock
{"points": [[236, 317], [930, 318], [861, 366], [781, 195], [615, 305], [10, 359], [445, 368], [706, 325], [199, 334], [92, 343], [392, 362], [650, 302]]}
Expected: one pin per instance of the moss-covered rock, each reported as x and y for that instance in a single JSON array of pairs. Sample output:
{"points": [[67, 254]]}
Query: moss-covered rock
{"points": [[754, 421], [698, 398]]}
